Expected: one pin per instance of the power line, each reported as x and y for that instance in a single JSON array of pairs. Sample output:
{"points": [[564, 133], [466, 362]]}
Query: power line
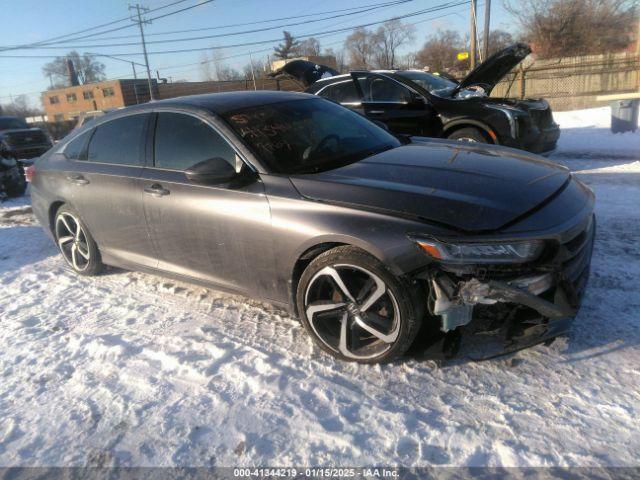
{"points": [[45, 43], [172, 67], [317, 34], [412, 14], [219, 27]]}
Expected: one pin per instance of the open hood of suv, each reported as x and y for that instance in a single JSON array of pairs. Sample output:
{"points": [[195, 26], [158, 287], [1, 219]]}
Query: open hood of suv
{"points": [[305, 72], [494, 68]]}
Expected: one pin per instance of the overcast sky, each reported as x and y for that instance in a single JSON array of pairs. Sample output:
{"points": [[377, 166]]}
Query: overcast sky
{"points": [[27, 21]]}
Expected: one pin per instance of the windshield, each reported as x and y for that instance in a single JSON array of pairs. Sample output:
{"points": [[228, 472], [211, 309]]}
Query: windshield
{"points": [[10, 123], [430, 82], [308, 136]]}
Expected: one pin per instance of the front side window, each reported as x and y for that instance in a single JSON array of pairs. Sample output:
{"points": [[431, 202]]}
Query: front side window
{"points": [[384, 90], [306, 136], [181, 141], [118, 141]]}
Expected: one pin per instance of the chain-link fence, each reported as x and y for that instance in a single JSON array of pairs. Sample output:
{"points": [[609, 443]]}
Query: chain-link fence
{"points": [[573, 83]]}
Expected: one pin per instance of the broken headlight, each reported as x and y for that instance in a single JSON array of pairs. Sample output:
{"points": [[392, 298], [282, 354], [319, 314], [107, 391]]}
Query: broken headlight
{"points": [[512, 252]]}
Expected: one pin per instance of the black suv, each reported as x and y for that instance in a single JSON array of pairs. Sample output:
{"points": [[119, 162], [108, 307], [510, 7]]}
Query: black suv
{"points": [[18, 140], [420, 103]]}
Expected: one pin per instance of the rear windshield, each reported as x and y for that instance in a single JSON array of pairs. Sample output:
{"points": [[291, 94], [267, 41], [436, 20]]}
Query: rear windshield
{"points": [[10, 123]]}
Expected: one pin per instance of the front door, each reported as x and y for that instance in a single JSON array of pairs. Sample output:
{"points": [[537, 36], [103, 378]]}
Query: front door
{"points": [[390, 102], [104, 168], [215, 233]]}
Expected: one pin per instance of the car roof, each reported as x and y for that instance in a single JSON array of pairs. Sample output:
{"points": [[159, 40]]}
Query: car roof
{"points": [[221, 103]]}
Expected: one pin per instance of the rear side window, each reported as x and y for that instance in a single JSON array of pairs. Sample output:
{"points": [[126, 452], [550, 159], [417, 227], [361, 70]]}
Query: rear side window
{"points": [[343, 92], [75, 148], [119, 141], [181, 141]]}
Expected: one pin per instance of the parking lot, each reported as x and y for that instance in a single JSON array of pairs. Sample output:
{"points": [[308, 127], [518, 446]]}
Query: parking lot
{"points": [[132, 369]]}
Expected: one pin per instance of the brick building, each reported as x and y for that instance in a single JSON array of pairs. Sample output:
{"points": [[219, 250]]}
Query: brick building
{"points": [[67, 103]]}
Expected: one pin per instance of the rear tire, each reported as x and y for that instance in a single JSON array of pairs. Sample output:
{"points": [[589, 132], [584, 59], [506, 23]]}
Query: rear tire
{"points": [[470, 134], [76, 243], [355, 309]]}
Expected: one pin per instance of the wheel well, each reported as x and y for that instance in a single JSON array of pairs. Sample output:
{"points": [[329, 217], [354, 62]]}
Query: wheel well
{"points": [[53, 209], [483, 130], [301, 264]]}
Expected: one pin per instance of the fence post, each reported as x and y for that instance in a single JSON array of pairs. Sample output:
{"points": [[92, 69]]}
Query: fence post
{"points": [[522, 82]]}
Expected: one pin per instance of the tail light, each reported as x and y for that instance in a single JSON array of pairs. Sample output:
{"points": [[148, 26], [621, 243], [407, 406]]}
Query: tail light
{"points": [[30, 173]]}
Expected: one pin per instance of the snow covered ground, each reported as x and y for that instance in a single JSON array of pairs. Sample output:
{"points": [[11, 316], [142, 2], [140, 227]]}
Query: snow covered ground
{"points": [[134, 370]]}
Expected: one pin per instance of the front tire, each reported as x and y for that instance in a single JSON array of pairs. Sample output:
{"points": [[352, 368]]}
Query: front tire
{"points": [[355, 309], [470, 134], [76, 243]]}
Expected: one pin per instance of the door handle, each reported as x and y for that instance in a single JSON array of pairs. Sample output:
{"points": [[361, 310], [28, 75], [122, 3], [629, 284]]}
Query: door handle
{"points": [[376, 112], [156, 190], [77, 179]]}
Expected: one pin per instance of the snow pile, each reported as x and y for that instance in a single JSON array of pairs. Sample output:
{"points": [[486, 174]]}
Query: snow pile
{"points": [[134, 370], [587, 133]]}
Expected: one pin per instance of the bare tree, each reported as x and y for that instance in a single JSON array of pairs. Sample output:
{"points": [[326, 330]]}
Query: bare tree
{"points": [[213, 67], [258, 69], [339, 55], [288, 48], [87, 68], [575, 27], [361, 46], [308, 47], [205, 68], [499, 40], [20, 107], [389, 37], [440, 51]]}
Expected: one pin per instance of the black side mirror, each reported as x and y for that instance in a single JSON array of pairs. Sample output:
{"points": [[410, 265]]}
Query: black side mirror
{"points": [[211, 172]]}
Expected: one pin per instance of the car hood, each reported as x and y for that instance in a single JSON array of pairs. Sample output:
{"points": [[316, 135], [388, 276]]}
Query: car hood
{"points": [[467, 188], [305, 72], [494, 68]]}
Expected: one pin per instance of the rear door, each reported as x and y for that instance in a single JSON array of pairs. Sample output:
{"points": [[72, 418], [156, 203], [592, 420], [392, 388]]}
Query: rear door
{"points": [[390, 102], [106, 187], [220, 234]]}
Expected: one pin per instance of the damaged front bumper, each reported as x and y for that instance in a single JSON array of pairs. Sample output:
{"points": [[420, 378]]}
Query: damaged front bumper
{"points": [[515, 311], [454, 303]]}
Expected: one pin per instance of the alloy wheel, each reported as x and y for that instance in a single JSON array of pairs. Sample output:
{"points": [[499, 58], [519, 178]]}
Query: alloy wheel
{"points": [[351, 310], [72, 241]]}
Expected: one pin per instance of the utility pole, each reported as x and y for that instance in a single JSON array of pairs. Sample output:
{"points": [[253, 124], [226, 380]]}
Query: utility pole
{"points": [[487, 23], [252, 74], [135, 75], [140, 21], [473, 35]]}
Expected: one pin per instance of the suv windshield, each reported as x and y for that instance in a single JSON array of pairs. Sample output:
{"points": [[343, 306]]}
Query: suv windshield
{"points": [[10, 123], [430, 82], [308, 136]]}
